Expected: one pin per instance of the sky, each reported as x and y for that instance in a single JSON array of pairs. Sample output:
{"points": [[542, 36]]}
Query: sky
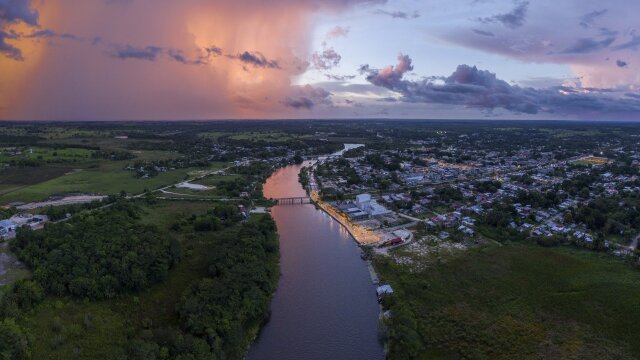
{"points": [[277, 59]]}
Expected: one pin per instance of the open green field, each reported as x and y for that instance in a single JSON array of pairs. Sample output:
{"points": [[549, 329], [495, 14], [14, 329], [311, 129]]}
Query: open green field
{"points": [[213, 135], [214, 180], [46, 154], [21, 176], [275, 136], [106, 178], [515, 302], [59, 132]]}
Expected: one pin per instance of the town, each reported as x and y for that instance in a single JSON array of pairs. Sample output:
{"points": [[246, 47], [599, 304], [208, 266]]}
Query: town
{"points": [[469, 193]]}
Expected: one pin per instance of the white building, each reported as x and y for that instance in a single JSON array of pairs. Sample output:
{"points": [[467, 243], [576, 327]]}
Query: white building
{"points": [[370, 206], [363, 201], [7, 226]]}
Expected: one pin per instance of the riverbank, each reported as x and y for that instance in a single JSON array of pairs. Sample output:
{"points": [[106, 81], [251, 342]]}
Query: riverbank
{"points": [[361, 236]]}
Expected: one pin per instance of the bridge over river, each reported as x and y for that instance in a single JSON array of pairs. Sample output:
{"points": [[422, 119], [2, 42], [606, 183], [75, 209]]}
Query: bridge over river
{"points": [[299, 200]]}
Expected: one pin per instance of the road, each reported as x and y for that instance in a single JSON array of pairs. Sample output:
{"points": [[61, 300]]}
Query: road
{"points": [[634, 242], [204, 175]]}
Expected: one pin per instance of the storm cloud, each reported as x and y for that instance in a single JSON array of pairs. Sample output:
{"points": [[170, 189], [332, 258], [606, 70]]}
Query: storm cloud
{"points": [[471, 87], [256, 59], [14, 12], [306, 97], [164, 60], [149, 53]]}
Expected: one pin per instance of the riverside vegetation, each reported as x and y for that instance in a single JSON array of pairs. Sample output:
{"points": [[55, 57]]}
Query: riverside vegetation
{"points": [[117, 284]]}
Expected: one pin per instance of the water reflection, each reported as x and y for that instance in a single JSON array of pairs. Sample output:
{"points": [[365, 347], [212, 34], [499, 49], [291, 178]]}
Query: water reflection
{"points": [[325, 306]]}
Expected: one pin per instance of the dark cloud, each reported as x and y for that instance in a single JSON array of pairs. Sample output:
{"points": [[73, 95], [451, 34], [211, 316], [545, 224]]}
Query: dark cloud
{"points": [[299, 103], [178, 56], [9, 50], [632, 44], [149, 53], [214, 51], [306, 97], [13, 12], [587, 20], [153, 53], [513, 19], [256, 59], [398, 14], [204, 57], [588, 45], [50, 34], [471, 87], [326, 59], [483, 33], [607, 32], [621, 63]]}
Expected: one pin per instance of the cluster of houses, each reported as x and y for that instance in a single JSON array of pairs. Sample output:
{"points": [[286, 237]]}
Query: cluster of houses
{"points": [[517, 172]]}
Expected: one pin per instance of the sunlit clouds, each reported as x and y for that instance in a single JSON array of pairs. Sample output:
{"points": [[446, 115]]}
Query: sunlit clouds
{"points": [[212, 59]]}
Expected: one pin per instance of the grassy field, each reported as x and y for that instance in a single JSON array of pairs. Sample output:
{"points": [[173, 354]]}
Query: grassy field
{"points": [[47, 154], [267, 136], [213, 180], [19, 176], [106, 178], [515, 302], [213, 135]]}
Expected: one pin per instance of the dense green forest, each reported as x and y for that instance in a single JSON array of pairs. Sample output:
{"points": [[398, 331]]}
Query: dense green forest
{"points": [[114, 268], [97, 255]]}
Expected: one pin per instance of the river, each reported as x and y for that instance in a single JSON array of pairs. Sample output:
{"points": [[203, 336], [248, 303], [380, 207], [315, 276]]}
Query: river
{"points": [[325, 306]]}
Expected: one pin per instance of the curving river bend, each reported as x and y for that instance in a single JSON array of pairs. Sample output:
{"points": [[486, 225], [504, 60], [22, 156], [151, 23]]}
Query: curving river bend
{"points": [[325, 306]]}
